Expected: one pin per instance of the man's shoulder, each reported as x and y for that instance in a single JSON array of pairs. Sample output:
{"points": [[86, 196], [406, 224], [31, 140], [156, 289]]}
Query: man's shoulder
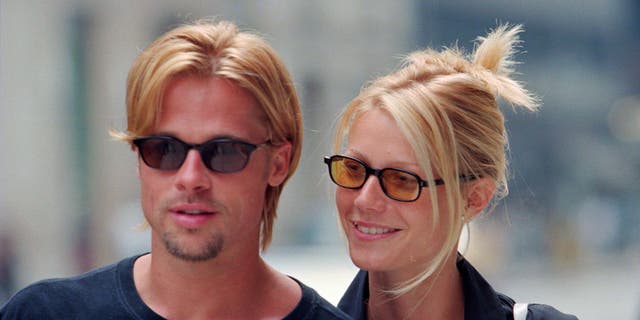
{"points": [[54, 298], [73, 285], [313, 306]]}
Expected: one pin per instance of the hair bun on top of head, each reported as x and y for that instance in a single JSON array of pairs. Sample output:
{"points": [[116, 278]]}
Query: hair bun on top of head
{"points": [[494, 54]]}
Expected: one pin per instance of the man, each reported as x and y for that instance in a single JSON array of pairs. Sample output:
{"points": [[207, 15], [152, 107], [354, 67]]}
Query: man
{"points": [[214, 117]]}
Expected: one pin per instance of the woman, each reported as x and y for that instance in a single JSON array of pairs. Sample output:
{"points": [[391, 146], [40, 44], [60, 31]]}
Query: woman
{"points": [[421, 152]]}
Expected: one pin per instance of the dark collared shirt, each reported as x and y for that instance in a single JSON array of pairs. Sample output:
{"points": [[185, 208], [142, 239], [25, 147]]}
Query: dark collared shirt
{"points": [[481, 302]]}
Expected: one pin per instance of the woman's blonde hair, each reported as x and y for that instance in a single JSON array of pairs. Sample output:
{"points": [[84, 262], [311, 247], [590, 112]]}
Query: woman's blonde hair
{"points": [[218, 50], [445, 103]]}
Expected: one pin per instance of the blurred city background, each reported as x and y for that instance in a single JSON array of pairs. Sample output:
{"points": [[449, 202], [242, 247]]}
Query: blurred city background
{"points": [[567, 235]]}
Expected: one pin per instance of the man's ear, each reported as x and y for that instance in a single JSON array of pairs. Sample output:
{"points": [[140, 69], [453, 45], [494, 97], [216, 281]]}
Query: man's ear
{"points": [[478, 196], [280, 162]]}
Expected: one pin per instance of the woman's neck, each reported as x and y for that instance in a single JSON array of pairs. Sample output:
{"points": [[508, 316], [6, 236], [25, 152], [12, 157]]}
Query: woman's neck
{"points": [[438, 297]]}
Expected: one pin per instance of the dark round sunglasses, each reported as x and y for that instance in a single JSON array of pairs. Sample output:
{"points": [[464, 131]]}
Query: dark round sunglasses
{"points": [[397, 184], [219, 155]]}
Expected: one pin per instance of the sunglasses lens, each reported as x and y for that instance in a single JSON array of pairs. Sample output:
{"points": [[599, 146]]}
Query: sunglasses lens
{"points": [[226, 156], [161, 153], [347, 173], [166, 153], [396, 184], [400, 185]]}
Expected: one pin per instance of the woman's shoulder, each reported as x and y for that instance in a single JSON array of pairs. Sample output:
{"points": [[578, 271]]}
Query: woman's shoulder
{"points": [[483, 301], [534, 311], [352, 302]]}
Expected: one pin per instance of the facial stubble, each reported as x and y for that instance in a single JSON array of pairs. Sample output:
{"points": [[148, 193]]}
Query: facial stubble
{"points": [[209, 250]]}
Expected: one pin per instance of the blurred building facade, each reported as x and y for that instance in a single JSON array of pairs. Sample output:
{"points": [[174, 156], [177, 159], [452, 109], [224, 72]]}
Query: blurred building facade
{"points": [[69, 194]]}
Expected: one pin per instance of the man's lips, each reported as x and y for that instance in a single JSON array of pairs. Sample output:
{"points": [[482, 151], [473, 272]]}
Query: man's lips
{"points": [[192, 212], [192, 216], [191, 209]]}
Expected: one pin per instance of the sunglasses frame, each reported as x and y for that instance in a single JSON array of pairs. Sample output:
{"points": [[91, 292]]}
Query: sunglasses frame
{"points": [[378, 173], [250, 147]]}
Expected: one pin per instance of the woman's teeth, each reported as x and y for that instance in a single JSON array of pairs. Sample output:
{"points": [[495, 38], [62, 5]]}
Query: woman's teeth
{"points": [[373, 230]]}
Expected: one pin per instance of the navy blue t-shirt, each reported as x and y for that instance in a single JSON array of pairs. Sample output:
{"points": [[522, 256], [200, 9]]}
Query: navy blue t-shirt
{"points": [[481, 302], [109, 293]]}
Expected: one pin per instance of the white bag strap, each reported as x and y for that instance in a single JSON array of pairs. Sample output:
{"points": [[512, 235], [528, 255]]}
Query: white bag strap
{"points": [[520, 311]]}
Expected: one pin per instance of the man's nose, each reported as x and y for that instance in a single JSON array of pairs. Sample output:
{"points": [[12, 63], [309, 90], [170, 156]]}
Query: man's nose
{"points": [[193, 175]]}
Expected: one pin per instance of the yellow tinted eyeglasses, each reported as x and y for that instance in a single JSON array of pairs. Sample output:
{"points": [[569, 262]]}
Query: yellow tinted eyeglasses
{"points": [[397, 184]]}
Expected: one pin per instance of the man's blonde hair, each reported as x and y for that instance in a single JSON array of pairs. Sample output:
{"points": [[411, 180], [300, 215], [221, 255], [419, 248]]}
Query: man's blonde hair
{"points": [[445, 103], [218, 50]]}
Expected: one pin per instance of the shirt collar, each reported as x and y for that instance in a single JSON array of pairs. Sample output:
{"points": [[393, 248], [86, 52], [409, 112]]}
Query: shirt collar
{"points": [[480, 300]]}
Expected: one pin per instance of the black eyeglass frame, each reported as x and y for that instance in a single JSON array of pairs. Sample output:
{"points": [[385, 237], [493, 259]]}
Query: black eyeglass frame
{"points": [[250, 148], [379, 172]]}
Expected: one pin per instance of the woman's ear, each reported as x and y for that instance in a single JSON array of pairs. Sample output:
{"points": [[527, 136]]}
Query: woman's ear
{"points": [[279, 165], [478, 196]]}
